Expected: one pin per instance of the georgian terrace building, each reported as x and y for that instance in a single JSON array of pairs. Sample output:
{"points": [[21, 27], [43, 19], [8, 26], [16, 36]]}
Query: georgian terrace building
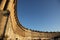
{"points": [[11, 29]]}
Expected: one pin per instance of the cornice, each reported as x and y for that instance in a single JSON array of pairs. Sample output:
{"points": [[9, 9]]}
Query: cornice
{"points": [[22, 27]]}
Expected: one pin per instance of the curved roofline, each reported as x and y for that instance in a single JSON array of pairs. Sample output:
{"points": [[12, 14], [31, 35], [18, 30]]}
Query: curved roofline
{"points": [[20, 25]]}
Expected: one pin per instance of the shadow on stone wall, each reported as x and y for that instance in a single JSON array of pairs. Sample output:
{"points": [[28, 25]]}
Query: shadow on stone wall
{"points": [[0, 1]]}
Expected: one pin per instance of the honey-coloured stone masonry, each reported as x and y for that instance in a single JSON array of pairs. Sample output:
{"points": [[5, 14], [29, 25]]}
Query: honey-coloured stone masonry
{"points": [[11, 29]]}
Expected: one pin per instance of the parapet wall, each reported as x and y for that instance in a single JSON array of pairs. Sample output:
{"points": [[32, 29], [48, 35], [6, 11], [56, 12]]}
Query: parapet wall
{"points": [[15, 31]]}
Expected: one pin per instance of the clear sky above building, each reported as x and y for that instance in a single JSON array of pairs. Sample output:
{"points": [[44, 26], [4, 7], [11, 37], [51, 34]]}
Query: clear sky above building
{"points": [[42, 15]]}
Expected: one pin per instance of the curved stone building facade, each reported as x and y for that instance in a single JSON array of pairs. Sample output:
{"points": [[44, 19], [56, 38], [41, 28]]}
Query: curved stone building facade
{"points": [[11, 29]]}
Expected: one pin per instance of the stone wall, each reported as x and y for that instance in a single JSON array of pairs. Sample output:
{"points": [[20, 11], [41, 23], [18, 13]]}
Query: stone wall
{"points": [[15, 31]]}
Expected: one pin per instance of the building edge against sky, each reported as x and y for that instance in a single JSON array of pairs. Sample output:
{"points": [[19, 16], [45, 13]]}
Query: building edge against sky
{"points": [[42, 15], [14, 30]]}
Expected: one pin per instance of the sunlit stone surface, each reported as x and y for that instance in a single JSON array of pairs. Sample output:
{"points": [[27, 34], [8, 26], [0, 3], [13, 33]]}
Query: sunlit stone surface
{"points": [[11, 29]]}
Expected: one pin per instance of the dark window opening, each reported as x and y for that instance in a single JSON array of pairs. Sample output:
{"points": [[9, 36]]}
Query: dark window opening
{"points": [[0, 1]]}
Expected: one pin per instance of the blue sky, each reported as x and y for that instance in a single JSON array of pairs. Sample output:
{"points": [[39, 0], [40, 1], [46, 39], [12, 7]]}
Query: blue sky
{"points": [[42, 15]]}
